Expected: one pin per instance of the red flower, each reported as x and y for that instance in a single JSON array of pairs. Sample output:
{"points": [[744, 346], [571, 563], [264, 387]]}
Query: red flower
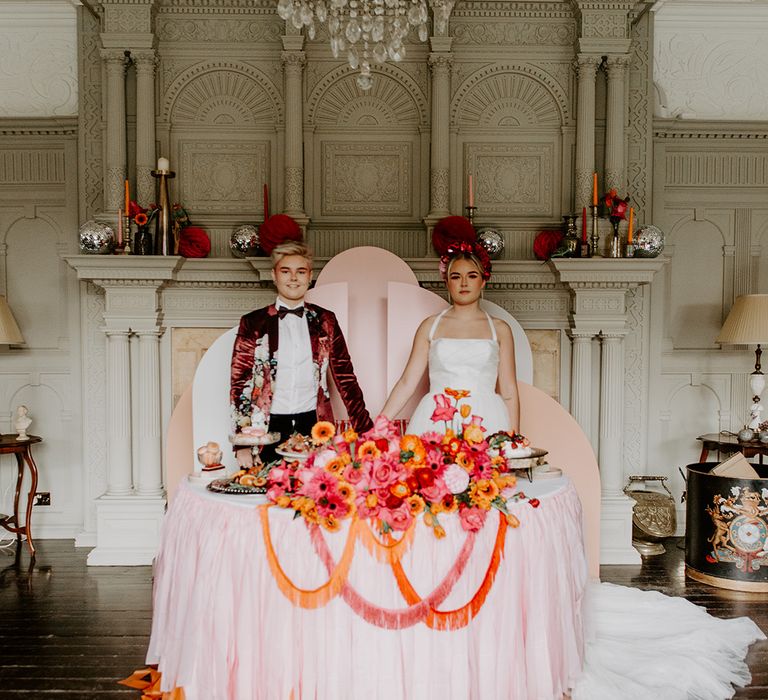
{"points": [[535, 502], [425, 477], [546, 243]]}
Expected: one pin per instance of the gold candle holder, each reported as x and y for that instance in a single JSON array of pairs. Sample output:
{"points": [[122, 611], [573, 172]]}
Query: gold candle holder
{"points": [[471, 214], [595, 234], [164, 243], [126, 235]]}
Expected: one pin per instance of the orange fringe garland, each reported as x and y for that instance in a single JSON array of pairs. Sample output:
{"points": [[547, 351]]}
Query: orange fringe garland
{"points": [[388, 552], [317, 598], [460, 617], [147, 680]]}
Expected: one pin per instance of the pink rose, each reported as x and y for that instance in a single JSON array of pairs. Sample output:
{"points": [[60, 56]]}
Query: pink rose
{"points": [[357, 476], [472, 519], [398, 518]]}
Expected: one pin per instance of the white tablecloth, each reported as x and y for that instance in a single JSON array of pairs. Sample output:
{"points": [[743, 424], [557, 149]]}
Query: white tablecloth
{"points": [[223, 629]]}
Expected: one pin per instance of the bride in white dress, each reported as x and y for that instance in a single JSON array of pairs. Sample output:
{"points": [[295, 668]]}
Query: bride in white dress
{"points": [[639, 645]]}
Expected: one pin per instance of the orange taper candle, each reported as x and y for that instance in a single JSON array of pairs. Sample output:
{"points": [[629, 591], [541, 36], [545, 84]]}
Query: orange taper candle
{"points": [[594, 189], [127, 198], [631, 223]]}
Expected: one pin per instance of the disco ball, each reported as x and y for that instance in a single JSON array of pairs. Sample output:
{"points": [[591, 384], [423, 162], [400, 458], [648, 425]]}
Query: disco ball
{"points": [[492, 241], [244, 241], [96, 238], [649, 241]]}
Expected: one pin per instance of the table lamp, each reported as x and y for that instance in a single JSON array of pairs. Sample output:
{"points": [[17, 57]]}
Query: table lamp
{"points": [[9, 329], [747, 324]]}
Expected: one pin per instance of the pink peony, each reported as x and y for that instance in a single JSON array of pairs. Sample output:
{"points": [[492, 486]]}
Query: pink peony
{"points": [[456, 479], [472, 519]]}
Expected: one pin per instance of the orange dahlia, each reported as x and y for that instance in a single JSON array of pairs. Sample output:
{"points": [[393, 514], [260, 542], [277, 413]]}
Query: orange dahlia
{"points": [[322, 431]]}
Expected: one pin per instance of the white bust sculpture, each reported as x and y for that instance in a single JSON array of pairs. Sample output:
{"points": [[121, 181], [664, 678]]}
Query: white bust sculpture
{"points": [[21, 422]]}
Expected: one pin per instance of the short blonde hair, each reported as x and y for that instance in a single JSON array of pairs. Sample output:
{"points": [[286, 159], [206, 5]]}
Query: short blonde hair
{"points": [[290, 248]]}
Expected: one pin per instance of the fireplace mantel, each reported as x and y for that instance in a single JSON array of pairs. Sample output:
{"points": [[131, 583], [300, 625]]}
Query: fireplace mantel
{"points": [[140, 300]]}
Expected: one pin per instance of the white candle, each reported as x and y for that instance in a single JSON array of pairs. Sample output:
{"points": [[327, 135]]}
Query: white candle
{"points": [[163, 164]]}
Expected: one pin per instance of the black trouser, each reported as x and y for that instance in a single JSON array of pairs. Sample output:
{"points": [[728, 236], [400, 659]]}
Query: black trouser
{"points": [[287, 424]]}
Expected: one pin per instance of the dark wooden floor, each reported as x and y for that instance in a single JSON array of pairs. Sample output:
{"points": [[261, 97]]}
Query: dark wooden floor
{"points": [[69, 630]]}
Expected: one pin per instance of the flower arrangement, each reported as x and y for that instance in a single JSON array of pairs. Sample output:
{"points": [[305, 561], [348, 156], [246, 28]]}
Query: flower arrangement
{"points": [[616, 206], [391, 480], [141, 216]]}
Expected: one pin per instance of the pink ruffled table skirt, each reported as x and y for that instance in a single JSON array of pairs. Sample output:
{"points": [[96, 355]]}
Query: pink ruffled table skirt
{"points": [[222, 629]]}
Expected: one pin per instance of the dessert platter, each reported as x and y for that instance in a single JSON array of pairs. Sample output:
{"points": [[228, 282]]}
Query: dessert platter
{"points": [[519, 456], [296, 447]]}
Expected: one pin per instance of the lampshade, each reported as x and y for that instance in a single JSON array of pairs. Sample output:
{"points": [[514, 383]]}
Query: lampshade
{"points": [[747, 323], [9, 329]]}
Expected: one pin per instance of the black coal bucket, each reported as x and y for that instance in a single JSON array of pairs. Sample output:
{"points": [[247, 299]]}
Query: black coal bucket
{"points": [[726, 529]]}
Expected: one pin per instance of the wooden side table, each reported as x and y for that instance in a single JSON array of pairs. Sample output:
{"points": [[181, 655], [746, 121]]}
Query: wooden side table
{"points": [[22, 449], [729, 444]]}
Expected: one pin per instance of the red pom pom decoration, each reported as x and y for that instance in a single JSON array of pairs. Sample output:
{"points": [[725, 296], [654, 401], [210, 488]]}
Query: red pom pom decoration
{"points": [[194, 242], [452, 229], [276, 230], [546, 243]]}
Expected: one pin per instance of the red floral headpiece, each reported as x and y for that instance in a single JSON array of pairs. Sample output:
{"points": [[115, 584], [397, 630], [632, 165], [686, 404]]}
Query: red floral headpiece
{"points": [[461, 248]]}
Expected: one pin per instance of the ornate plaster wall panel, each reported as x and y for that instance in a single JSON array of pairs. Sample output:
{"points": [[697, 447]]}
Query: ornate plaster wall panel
{"points": [[640, 112], [219, 30], [222, 176], [711, 64], [367, 179], [513, 179], [38, 59], [528, 32]]}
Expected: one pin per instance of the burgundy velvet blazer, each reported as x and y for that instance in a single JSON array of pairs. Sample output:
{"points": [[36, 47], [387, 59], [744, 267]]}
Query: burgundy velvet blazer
{"points": [[254, 366]]}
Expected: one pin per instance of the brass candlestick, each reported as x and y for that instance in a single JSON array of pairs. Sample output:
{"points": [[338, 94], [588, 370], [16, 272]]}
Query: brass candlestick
{"points": [[164, 239], [126, 235], [595, 234], [471, 214]]}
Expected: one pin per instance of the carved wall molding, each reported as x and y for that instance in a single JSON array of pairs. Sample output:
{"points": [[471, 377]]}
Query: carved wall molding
{"points": [[719, 169], [468, 86], [337, 97], [222, 77], [503, 8], [219, 30], [496, 33]]}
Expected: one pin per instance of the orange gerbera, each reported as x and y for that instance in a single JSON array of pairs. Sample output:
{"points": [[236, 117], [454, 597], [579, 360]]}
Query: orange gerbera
{"points": [[487, 488], [368, 450], [346, 491], [456, 393], [504, 481], [322, 431], [464, 461], [410, 443], [416, 504], [335, 465], [349, 435], [330, 523], [141, 219]]}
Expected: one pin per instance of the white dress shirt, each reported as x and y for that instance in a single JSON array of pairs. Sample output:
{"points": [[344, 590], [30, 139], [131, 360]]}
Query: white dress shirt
{"points": [[295, 389]]}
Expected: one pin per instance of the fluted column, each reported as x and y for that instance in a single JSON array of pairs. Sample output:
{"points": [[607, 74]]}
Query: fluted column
{"points": [[581, 380], [439, 174], [145, 62], [612, 414], [118, 397], [293, 70], [150, 472], [587, 65], [615, 121], [114, 142]]}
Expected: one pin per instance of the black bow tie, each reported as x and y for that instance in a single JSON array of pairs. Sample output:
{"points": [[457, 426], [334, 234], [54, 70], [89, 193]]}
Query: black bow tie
{"points": [[282, 312]]}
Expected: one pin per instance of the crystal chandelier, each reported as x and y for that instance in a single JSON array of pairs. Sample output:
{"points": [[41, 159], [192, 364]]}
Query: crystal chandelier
{"points": [[367, 30]]}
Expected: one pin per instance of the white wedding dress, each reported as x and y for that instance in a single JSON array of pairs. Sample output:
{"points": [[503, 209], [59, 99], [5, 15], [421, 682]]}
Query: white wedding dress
{"points": [[639, 645]]}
